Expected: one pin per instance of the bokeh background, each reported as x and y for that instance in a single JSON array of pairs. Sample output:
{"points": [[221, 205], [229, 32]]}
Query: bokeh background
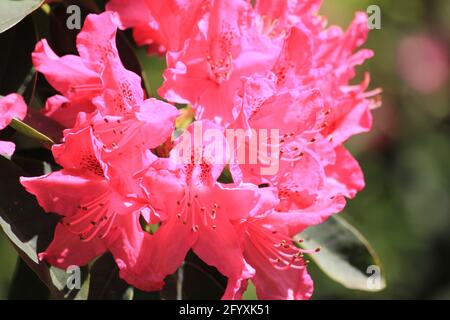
{"points": [[404, 209]]}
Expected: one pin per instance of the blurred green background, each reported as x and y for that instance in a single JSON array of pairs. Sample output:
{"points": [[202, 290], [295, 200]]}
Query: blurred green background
{"points": [[404, 209]]}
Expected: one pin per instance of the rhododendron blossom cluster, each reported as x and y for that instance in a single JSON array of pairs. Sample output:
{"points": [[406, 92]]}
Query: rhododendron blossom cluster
{"points": [[269, 84]]}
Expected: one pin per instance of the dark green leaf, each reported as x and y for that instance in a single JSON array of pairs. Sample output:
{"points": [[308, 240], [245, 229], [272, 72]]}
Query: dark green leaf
{"points": [[37, 126], [25, 129], [345, 255]]}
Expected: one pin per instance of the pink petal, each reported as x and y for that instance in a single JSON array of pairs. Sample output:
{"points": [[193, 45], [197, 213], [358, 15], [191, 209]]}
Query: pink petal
{"points": [[68, 74], [123, 90], [80, 151], [346, 173], [220, 247], [60, 109], [158, 120], [351, 117], [246, 200], [11, 106], [175, 19], [64, 191], [298, 220], [161, 255], [7, 148], [96, 42], [127, 244], [236, 286], [296, 55], [130, 15], [274, 284], [67, 249]]}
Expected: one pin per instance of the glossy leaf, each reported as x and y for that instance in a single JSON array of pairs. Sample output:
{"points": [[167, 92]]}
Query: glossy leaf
{"points": [[29, 131], [13, 11], [37, 126], [345, 255]]}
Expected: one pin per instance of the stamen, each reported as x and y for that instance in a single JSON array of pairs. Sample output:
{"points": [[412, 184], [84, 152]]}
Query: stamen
{"points": [[194, 210], [86, 88], [277, 248], [92, 218]]}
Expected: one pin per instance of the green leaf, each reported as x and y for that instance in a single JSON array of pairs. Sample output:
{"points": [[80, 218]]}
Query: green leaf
{"points": [[38, 126], [345, 255], [30, 230], [250, 292], [29, 131], [13, 11], [152, 71]]}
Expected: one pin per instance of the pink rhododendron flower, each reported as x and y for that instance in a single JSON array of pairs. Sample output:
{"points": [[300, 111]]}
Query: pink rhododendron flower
{"points": [[308, 163], [96, 216], [280, 270], [270, 72], [12, 106], [100, 210], [227, 47], [196, 212], [81, 193], [232, 44], [79, 78], [96, 192]]}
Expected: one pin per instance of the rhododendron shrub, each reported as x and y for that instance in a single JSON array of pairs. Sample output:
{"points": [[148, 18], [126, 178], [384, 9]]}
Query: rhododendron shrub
{"points": [[270, 87]]}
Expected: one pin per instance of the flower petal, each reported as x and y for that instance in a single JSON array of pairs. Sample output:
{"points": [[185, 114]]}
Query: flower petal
{"points": [[220, 247], [64, 191], [127, 244], [246, 200], [7, 148], [161, 255], [62, 110], [158, 120], [11, 106], [123, 90], [130, 15], [68, 250], [67, 74], [346, 173], [275, 284], [96, 42]]}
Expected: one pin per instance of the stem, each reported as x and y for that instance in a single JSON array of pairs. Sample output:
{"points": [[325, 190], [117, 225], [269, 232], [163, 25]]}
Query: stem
{"points": [[180, 279]]}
